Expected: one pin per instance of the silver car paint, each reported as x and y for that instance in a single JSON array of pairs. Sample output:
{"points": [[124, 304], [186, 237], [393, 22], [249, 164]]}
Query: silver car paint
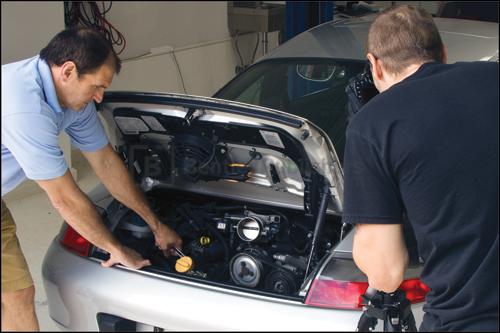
{"points": [[171, 303]]}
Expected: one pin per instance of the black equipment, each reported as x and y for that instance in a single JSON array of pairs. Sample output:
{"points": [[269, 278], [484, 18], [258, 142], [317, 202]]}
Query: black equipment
{"points": [[359, 91], [393, 308]]}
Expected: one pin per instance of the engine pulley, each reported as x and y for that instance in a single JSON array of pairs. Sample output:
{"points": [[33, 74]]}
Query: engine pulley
{"points": [[282, 282], [245, 270]]}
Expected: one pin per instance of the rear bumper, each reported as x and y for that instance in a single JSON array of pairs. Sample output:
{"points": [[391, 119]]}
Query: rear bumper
{"points": [[79, 288]]}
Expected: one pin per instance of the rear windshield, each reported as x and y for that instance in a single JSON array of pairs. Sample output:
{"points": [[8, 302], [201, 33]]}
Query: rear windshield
{"points": [[310, 88]]}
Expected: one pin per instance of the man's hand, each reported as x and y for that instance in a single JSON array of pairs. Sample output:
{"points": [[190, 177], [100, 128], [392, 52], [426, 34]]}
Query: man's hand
{"points": [[166, 239], [127, 257]]}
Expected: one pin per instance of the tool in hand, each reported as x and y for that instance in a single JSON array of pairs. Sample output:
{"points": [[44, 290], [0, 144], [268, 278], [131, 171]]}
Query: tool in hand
{"points": [[179, 253], [184, 264]]}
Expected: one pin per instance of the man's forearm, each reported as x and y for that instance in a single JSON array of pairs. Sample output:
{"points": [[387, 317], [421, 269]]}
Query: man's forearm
{"points": [[380, 252], [116, 178], [84, 218], [77, 210]]}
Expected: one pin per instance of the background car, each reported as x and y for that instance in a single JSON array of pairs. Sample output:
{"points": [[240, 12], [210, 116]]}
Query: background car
{"points": [[252, 181]]}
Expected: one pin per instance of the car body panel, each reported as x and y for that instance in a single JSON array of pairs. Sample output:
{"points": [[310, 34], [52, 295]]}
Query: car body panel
{"points": [[174, 304]]}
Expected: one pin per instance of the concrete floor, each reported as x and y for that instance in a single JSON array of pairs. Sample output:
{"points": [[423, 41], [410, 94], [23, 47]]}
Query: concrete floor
{"points": [[38, 222]]}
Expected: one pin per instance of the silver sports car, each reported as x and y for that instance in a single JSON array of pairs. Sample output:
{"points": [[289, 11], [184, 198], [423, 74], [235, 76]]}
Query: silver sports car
{"points": [[252, 181]]}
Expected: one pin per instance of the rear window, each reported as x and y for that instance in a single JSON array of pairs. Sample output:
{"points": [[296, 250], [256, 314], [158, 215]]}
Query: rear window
{"points": [[310, 88]]}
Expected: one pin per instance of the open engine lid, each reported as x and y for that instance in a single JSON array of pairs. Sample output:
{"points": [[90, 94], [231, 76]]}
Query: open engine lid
{"points": [[224, 148]]}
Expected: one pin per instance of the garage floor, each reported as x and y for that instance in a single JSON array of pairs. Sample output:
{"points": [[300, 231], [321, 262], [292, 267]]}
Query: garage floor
{"points": [[38, 223]]}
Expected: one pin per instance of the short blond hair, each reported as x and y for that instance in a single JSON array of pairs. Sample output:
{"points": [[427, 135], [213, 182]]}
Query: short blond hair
{"points": [[403, 35]]}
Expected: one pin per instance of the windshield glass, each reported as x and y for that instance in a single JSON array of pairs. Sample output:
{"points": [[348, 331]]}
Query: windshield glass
{"points": [[310, 88]]}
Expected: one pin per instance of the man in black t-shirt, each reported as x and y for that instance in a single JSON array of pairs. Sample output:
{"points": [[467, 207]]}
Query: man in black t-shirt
{"points": [[426, 148]]}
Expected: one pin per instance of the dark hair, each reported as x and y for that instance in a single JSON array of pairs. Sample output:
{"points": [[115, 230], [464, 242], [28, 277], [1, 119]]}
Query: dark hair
{"points": [[403, 35], [86, 47]]}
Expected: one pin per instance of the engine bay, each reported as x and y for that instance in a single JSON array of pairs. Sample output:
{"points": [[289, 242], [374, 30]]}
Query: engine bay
{"points": [[252, 246]]}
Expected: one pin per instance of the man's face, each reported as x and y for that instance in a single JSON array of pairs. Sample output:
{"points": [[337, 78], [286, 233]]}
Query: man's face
{"points": [[79, 92]]}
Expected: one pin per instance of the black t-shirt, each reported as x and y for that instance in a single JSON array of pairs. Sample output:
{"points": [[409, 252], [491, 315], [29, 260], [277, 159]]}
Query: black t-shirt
{"points": [[428, 147]]}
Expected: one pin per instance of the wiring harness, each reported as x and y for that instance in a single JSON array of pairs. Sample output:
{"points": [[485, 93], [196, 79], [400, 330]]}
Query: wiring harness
{"points": [[88, 14]]}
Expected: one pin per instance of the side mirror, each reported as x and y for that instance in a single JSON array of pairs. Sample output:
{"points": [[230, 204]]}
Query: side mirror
{"points": [[320, 73]]}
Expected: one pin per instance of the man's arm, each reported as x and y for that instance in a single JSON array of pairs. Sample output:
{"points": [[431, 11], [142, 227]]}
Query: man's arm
{"points": [[114, 175], [379, 250], [79, 212]]}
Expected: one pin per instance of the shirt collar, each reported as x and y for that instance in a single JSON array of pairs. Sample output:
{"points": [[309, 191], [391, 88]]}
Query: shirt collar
{"points": [[48, 85]]}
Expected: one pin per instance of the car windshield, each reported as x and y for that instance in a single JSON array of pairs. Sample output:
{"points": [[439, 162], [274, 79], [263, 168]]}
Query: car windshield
{"points": [[310, 88]]}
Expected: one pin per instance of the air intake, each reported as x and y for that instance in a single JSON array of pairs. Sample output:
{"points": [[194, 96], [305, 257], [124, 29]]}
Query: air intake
{"points": [[193, 156]]}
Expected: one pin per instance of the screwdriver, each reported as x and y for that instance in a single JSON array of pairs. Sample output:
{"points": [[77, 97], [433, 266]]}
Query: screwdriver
{"points": [[184, 264], [179, 253]]}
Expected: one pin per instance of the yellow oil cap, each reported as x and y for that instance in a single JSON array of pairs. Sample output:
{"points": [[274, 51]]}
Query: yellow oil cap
{"points": [[204, 240], [184, 265]]}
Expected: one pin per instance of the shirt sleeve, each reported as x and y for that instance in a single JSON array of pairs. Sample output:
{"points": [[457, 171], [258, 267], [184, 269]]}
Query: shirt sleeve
{"points": [[32, 138], [86, 130], [371, 193]]}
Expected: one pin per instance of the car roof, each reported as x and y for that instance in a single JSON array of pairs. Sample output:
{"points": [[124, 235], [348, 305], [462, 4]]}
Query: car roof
{"points": [[465, 40]]}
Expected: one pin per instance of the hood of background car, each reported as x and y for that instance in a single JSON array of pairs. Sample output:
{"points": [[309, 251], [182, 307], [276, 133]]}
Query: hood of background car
{"points": [[223, 148], [344, 38]]}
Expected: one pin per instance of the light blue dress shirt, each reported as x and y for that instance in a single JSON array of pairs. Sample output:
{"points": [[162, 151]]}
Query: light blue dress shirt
{"points": [[32, 121]]}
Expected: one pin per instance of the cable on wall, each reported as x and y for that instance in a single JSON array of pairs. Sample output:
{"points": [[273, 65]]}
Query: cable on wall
{"points": [[180, 74], [76, 14], [243, 66]]}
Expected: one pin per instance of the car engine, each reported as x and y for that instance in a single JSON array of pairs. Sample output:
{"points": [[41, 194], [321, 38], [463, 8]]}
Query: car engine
{"points": [[233, 243]]}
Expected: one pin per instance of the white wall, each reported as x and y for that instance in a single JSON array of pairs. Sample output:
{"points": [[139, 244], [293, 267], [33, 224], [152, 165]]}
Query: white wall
{"points": [[198, 34], [26, 28]]}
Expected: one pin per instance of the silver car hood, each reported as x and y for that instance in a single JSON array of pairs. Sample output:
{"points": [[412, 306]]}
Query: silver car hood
{"points": [[289, 159]]}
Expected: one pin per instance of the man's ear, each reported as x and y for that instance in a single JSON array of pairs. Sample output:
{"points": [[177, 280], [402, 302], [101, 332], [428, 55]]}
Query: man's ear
{"points": [[376, 69], [445, 54], [68, 70]]}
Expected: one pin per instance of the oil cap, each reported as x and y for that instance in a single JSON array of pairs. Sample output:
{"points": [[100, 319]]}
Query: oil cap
{"points": [[184, 265]]}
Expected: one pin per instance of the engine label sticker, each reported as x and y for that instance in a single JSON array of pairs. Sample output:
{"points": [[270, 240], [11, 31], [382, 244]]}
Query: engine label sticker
{"points": [[130, 125], [272, 139], [153, 123]]}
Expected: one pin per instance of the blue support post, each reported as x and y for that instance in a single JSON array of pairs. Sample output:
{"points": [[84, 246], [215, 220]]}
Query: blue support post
{"points": [[326, 11], [301, 16]]}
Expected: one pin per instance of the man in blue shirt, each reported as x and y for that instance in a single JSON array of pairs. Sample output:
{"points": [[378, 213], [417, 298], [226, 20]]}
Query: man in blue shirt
{"points": [[425, 150], [41, 97]]}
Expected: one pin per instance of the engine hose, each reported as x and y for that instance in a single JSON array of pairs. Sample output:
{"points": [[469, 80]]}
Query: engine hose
{"points": [[185, 214], [211, 228], [228, 254]]}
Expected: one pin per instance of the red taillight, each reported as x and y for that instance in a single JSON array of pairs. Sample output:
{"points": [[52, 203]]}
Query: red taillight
{"points": [[342, 294], [72, 240], [337, 294], [415, 290]]}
